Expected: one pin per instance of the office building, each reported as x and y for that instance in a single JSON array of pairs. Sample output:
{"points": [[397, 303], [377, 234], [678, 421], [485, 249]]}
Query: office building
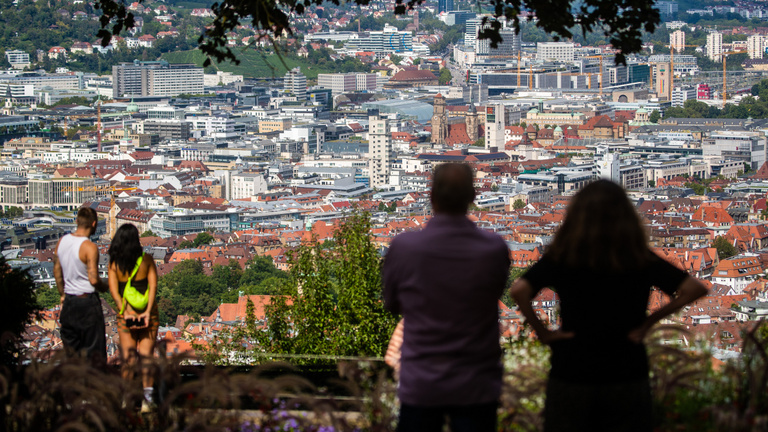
{"points": [[682, 94], [509, 46], [390, 40], [340, 83], [192, 222], [667, 7], [175, 130], [295, 83], [444, 6], [17, 58], [39, 80], [458, 17], [746, 147], [555, 51], [156, 78], [685, 64], [715, 46]]}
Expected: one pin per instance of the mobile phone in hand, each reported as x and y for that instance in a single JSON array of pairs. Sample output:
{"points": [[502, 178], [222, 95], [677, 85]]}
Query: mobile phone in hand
{"points": [[133, 322]]}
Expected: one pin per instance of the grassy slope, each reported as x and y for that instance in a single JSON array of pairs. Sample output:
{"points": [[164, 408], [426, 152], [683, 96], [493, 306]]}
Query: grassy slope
{"points": [[253, 64]]}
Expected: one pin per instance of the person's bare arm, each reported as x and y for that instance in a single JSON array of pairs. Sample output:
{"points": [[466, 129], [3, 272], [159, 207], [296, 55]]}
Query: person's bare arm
{"points": [[113, 287], [689, 291], [152, 287], [522, 292], [58, 273], [92, 263]]}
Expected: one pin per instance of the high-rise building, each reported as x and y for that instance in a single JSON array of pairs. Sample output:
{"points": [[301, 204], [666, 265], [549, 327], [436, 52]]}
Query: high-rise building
{"points": [[471, 27], [756, 46], [663, 74], [494, 127], [380, 155], [508, 47], [295, 83], [444, 6], [677, 40], [156, 78], [715, 46]]}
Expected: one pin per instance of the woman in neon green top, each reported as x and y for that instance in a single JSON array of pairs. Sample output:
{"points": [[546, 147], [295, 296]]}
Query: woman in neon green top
{"points": [[137, 327]]}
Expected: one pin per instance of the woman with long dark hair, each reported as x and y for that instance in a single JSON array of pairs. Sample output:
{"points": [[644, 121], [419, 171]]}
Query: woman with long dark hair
{"points": [[137, 326], [602, 269]]}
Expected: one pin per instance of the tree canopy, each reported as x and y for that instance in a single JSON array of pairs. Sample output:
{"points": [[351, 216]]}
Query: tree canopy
{"points": [[621, 21]]}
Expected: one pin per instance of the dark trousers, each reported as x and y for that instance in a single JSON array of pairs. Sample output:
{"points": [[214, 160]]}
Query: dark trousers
{"points": [[82, 327], [462, 418], [614, 407]]}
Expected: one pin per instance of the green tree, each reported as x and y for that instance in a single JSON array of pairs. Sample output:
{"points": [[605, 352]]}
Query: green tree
{"points": [[186, 290], [203, 238], [148, 233], [621, 23], [258, 269], [480, 142], [518, 204], [17, 309], [445, 76], [47, 296], [654, 117], [725, 249], [14, 212], [333, 304], [396, 59], [340, 309], [514, 274], [186, 244], [228, 276], [651, 183], [698, 189]]}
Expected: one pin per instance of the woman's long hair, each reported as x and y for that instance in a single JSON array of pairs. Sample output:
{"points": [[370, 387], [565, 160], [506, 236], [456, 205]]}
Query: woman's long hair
{"points": [[125, 248], [601, 231]]}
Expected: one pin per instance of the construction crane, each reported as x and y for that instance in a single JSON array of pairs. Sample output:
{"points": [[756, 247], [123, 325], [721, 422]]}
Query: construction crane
{"points": [[600, 84], [725, 83], [111, 221]]}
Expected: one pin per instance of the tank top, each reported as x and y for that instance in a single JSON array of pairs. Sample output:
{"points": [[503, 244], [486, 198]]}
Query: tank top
{"points": [[75, 271]]}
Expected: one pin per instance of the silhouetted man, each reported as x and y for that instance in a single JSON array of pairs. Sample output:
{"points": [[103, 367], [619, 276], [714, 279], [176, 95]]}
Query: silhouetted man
{"points": [[77, 278], [445, 281]]}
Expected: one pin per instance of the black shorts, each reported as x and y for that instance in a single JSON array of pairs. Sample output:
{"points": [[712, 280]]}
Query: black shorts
{"points": [[598, 407], [82, 327]]}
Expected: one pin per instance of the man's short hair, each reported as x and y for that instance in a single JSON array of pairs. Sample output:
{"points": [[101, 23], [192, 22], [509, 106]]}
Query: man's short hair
{"points": [[86, 216], [453, 188]]}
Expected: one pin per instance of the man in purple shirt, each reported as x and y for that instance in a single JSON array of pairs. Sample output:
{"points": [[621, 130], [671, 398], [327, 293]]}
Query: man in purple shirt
{"points": [[445, 281]]}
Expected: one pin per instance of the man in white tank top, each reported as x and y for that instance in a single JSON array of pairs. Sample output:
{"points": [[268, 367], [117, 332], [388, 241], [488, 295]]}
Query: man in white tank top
{"points": [[77, 278]]}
